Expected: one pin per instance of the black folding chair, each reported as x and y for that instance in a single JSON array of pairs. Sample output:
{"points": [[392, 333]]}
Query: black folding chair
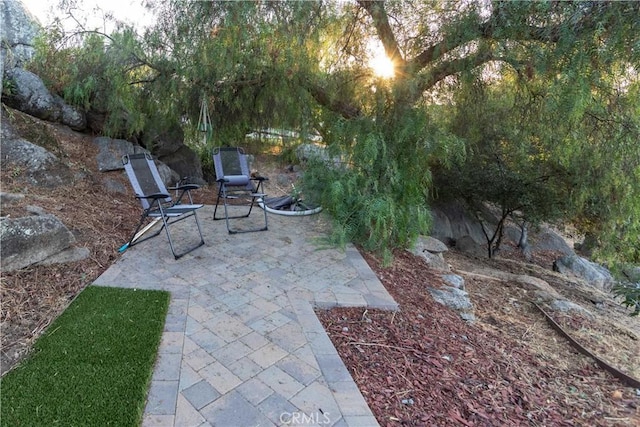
{"points": [[235, 182], [156, 201]]}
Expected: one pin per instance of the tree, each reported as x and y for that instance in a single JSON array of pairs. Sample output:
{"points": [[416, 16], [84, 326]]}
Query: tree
{"points": [[511, 160], [304, 65]]}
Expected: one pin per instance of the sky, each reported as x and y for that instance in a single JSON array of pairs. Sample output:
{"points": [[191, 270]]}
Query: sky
{"points": [[130, 11]]}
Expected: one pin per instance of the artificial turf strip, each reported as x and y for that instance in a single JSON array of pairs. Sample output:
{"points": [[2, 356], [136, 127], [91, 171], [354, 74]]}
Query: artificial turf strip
{"points": [[93, 365]]}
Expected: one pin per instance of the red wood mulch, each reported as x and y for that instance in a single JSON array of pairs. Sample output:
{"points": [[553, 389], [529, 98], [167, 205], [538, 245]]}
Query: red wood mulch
{"points": [[425, 366]]}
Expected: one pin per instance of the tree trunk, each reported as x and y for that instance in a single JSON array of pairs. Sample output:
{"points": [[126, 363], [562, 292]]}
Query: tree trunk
{"points": [[523, 243]]}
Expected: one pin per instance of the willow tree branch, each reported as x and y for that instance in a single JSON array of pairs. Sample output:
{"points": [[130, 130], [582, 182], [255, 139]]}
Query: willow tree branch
{"points": [[448, 68], [378, 14], [340, 106], [588, 21]]}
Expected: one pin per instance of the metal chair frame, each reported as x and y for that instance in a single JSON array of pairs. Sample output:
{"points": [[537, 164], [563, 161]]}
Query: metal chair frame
{"points": [[157, 202], [235, 181]]}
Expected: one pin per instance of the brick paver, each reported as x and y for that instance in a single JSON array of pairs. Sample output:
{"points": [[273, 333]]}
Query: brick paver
{"points": [[242, 345]]}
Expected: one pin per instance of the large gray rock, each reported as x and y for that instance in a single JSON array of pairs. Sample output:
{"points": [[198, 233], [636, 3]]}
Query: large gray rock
{"points": [[469, 245], [33, 164], [68, 255], [169, 176], [18, 30], [431, 250], [592, 273], [110, 152], [186, 163], [455, 299], [565, 306], [454, 280], [455, 226], [431, 244], [32, 239], [31, 96], [165, 142], [549, 240], [452, 222], [71, 116]]}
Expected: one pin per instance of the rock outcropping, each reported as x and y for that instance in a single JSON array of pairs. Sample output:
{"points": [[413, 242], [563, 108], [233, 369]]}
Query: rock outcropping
{"points": [[29, 94], [35, 239], [18, 29], [40, 237]]}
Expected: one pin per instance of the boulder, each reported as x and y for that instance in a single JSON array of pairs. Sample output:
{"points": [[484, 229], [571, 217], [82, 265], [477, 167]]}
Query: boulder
{"points": [[592, 273], [18, 30], [455, 299], [26, 91], [435, 261], [32, 239], [431, 250], [454, 280], [168, 175], [451, 222], [114, 186], [68, 255], [469, 245], [164, 142], [31, 96], [549, 240], [9, 198], [33, 164], [71, 116], [431, 244], [110, 152], [565, 306], [458, 228], [186, 163]]}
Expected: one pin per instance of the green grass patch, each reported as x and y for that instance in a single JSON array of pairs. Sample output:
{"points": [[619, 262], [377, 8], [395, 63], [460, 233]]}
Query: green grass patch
{"points": [[92, 366]]}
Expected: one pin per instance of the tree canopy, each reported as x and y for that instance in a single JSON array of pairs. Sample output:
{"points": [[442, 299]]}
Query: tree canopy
{"points": [[532, 105]]}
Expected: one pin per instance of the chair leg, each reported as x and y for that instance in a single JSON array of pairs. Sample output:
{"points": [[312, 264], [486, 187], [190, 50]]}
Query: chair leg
{"points": [[215, 209], [222, 193], [166, 226], [226, 209], [133, 240]]}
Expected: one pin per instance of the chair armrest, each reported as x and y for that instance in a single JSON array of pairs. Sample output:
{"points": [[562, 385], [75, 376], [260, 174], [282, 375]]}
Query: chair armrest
{"points": [[154, 196], [185, 187]]}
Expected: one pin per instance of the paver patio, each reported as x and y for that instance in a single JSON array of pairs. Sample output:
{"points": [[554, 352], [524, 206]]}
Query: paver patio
{"points": [[242, 345]]}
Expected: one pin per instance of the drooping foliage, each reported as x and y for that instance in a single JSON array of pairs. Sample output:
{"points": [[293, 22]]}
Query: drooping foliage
{"points": [[529, 105], [376, 185], [101, 75]]}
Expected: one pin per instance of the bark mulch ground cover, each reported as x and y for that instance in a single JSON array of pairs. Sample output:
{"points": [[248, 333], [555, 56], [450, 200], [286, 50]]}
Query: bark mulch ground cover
{"points": [[425, 366]]}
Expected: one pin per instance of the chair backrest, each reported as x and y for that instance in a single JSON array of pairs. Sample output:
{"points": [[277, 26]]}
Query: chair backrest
{"points": [[144, 176], [232, 165]]}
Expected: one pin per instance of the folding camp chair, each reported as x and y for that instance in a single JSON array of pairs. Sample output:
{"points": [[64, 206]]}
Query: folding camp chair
{"points": [[156, 201], [235, 182]]}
